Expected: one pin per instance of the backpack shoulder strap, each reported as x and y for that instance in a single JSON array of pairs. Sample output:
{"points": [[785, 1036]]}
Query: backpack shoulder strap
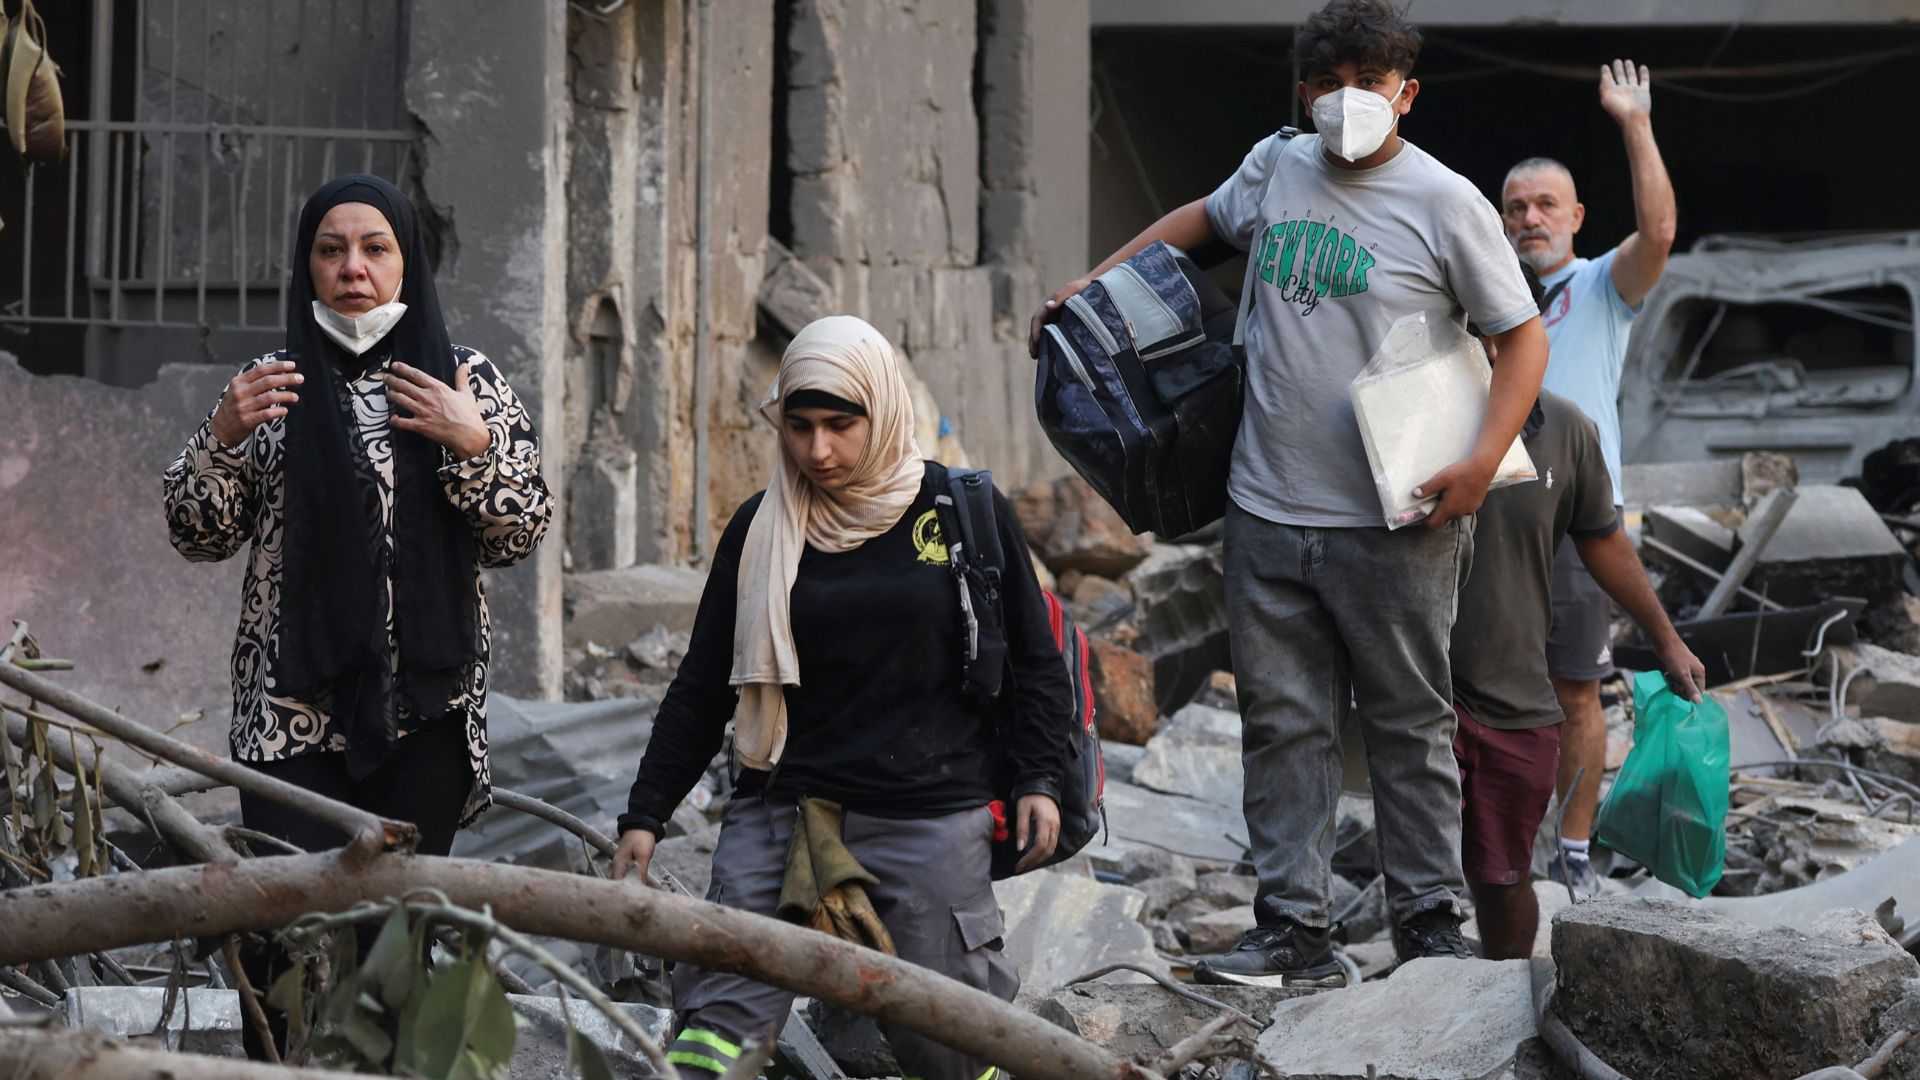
{"points": [[1558, 288], [1285, 135]]}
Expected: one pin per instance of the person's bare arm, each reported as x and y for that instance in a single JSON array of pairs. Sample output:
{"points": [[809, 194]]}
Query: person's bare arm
{"points": [[1185, 227], [1616, 569], [1462, 486], [1626, 93]]}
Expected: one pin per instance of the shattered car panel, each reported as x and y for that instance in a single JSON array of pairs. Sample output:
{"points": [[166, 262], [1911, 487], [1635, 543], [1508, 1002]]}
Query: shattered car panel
{"points": [[1796, 344]]}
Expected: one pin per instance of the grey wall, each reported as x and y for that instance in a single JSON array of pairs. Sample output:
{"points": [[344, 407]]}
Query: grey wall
{"points": [[88, 565], [486, 84]]}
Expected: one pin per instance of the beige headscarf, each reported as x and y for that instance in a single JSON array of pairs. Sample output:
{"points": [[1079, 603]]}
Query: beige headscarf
{"points": [[848, 358]]}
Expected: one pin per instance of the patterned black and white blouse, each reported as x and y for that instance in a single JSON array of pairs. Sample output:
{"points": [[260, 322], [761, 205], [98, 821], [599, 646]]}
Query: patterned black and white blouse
{"points": [[219, 497]]}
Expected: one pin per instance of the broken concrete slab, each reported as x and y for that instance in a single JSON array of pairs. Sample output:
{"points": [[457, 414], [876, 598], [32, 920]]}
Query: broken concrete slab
{"points": [[1121, 759], [612, 607], [1217, 931], [1060, 927], [1710, 997], [1141, 1021], [1832, 543], [1071, 528], [1682, 483], [1149, 820], [204, 1021], [1196, 753], [1099, 602], [1163, 893], [1692, 532], [1179, 593], [1225, 890], [1892, 876], [1433, 1018], [1886, 683]]}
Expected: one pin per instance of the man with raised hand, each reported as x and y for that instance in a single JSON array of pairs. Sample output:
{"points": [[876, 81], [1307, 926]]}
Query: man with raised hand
{"points": [[1590, 307]]}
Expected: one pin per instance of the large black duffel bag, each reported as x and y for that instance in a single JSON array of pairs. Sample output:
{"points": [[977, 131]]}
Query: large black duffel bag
{"points": [[1139, 388]]}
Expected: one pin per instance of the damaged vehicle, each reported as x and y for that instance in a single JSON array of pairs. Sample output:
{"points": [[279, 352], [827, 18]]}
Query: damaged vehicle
{"points": [[1795, 343]]}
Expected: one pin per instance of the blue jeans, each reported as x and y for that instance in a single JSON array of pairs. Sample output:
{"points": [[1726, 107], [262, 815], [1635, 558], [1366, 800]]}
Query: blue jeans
{"points": [[1323, 619]]}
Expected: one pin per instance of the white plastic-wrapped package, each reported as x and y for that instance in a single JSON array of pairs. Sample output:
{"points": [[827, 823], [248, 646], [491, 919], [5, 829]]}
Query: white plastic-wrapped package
{"points": [[1420, 402]]}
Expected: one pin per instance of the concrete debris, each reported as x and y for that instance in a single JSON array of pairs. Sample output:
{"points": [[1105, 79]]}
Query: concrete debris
{"points": [[1226, 889], [1123, 691], [1217, 931], [1433, 1019], [1180, 592], [607, 606], [1141, 1021], [1832, 543], [1151, 863], [1098, 603], [1763, 471], [1060, 927], [1196, 753], [1715, 482], [1885, 683], [1144, 820], [1219, 691], [1660, 989], [1692, 532], [1162, 894], [208, 1022], [659, 650], [1072, 528]]}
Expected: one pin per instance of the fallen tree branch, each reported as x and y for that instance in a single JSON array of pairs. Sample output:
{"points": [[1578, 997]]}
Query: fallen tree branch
{"points": [[28, 1053], [185, 833], [1175, 1057], [19, 983], [250, 1006], [553, 815], [266, 893], [369, 833]]}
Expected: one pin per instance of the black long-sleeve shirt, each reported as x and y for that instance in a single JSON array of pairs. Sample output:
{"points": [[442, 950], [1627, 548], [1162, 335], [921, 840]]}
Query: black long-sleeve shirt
{"points": [[878, 722]]}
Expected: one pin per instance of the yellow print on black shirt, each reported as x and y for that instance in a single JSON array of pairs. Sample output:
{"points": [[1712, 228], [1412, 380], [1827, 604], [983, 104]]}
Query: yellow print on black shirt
{"points": [[928, 540]]}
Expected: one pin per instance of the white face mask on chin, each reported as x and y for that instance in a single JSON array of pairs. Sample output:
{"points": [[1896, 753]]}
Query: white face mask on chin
{"points": [[1353, 122], [358, 333]]}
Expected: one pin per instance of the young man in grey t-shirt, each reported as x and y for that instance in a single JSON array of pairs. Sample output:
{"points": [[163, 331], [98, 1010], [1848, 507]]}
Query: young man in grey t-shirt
{"points": [[1350, 229]]}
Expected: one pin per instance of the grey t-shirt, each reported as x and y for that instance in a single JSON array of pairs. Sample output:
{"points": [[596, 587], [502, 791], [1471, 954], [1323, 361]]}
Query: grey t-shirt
{"points": [[1499, 648], [1343, 253]]}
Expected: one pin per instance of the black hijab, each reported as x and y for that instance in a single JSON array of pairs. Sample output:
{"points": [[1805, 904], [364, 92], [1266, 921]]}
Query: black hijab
{"points": [[335, 565]]}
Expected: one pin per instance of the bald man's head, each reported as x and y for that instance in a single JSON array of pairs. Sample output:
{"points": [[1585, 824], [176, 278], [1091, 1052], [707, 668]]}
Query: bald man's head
{"points": [[1541, 212]]}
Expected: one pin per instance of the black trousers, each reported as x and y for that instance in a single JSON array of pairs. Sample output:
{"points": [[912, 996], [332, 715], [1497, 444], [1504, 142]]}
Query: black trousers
{"points": [[426, 780]]}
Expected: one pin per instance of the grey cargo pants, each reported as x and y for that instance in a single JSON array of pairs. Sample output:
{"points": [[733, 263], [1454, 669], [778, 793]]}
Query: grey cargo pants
{"points": [[1321, 619], [935, 897]]}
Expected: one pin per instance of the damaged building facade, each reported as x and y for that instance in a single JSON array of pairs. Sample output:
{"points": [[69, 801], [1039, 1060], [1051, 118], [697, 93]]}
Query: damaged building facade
{"points": [[633, 204]]}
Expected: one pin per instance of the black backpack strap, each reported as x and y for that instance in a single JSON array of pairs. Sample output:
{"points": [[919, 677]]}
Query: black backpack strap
{"points": [[1547, 300], [964, 500], [1246, 286]]}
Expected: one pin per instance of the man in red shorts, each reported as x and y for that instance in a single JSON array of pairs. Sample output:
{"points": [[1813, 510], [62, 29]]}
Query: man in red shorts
{"points": [[1508, 741]]}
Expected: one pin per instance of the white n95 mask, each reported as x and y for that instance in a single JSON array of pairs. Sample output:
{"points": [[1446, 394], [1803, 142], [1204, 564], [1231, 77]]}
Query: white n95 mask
{"points": [[1354, 122], [358, 333]]}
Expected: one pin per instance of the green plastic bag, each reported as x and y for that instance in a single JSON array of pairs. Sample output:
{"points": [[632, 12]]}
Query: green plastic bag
{"points": [[1668, 807]]}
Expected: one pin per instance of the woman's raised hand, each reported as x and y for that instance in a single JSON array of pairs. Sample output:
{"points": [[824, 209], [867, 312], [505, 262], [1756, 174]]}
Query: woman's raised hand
{"points": [[449, 415], [253, 398]]}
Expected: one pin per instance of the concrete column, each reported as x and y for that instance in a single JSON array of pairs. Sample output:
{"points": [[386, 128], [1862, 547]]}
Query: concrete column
{"points": [[486, 83]]}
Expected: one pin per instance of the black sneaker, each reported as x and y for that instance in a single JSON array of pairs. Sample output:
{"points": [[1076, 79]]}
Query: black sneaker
{"points": [[1433, 931], [1286, 955]]}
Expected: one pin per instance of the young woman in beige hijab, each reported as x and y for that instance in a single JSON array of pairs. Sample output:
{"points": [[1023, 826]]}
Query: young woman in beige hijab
{"points": [[830, 635]]}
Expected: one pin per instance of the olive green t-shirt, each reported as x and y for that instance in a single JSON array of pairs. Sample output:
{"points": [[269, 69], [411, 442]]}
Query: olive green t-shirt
{"points": [[1499, 648]]}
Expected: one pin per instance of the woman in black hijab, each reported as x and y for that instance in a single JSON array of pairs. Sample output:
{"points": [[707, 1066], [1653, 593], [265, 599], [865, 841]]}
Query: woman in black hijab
{"points": [[376, 468]]}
